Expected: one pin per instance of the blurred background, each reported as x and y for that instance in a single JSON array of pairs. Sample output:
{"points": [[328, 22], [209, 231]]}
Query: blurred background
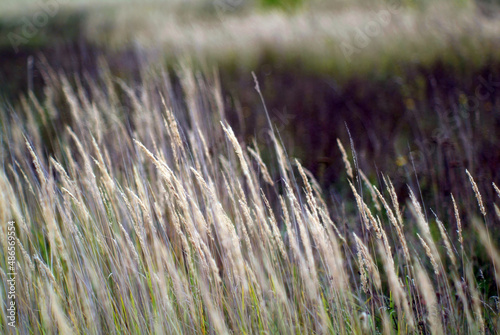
{"points": [[412, 85]]}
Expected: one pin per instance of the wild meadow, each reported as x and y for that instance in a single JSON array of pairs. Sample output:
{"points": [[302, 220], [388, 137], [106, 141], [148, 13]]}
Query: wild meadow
{"points": [[142, 197], [138, 223]]}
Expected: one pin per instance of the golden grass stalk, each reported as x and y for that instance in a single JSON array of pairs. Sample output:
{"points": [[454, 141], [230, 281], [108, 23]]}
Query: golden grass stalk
{"points": [[185, 238], [497, 190], [447, 242], [262, 166], [399, 228], [477, 193], [459, 223], [345, 159], [429, 254], [431, 303], [400, 297], [365, 259], [361, 207], [394, 199], [37, 163], [372, 191]]}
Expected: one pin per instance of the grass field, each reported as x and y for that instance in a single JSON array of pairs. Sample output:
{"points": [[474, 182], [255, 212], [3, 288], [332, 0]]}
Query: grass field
{"points": [[246, 168]]}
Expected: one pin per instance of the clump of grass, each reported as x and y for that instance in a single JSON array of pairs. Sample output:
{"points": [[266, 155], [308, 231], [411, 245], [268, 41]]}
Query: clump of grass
{"points": [[137, 222]]}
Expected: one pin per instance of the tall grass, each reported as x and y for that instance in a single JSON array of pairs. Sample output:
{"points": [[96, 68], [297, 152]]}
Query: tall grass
{"points": [[138, 213]]}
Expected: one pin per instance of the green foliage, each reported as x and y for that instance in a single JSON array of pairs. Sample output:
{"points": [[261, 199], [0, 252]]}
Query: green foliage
{"points": [[287, 5]]}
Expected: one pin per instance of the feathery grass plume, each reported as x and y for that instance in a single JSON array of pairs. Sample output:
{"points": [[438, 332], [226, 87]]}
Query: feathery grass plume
{"points": [[72, 100], [394, 199], [292, 235], [311, 200], [326, 218], [429, 254], [497, 210], [26, 256], [37, 163], [41, 297], [129, 243], [459, 223], [316, 187], [26, 180], [372, 191], [387, 246], [66, 180], [395, 223], [361, 207], [204, 145], [173, 130], [373, 221], [136, 223], [262, 166], [248, 217], [477, 193], [107, 177], [431, 303], [497, 190], [310, 271], [46, 271], [366, 260], [400, 297], [243, 162], [446, 241], [274, 227], [347, 164], [390, 213], [418, 214], [62, 323]]}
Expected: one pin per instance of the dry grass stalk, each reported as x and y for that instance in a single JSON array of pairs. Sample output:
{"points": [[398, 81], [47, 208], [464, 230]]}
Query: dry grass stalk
{"points": [[395, 223], [429, 254], [326, 218], [400, 297], [372, 191], [394, 199], [347, 164], [431, 303], [37, 163], [419, 215], [361, 207], [459, 223], [497, 190], [262, 166], [366, 260], [186, 238], [477, 193], [447, 242]]}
